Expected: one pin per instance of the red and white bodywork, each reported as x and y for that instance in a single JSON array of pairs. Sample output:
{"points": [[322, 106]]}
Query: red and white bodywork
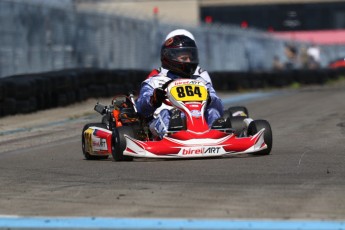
{"points": [[190, 96], [98, 141]]}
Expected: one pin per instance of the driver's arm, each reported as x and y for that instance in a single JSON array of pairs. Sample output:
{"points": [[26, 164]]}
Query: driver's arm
{"points": [[143, 103], [216, 102]]}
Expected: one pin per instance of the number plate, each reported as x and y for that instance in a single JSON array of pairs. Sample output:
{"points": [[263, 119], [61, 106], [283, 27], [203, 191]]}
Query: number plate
{"points": [[189, 92]]}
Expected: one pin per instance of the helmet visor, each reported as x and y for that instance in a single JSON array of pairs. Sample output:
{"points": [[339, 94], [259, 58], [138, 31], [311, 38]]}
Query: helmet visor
{"points": [[183, 55]]}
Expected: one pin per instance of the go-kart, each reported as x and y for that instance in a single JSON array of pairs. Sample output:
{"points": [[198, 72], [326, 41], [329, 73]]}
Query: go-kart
{"points": [[125, 135]]}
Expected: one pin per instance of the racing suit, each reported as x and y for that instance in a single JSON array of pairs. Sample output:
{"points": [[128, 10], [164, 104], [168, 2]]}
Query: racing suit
{"points": [[198, 71], [160, 117]]}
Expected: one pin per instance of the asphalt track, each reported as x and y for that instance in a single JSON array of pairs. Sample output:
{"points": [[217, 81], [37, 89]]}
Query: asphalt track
{"points": [[303, 178]]}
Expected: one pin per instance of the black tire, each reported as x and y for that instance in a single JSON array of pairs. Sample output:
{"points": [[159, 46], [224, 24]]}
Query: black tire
{"points": [[226, 114], [235, 109], [119, 142], [26, 106], [82, 94], [254, 127], [2, 109], [19, 87], [2, 91], [10, 106], [62, 100], [98, 91], [236, 123], [86, 154]]}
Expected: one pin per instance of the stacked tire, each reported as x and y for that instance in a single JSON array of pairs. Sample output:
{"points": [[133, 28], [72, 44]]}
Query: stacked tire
{"points": [[2, 97], [19, 96]]}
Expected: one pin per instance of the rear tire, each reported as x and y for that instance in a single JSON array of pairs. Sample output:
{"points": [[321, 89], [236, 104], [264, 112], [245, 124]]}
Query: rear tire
{"points": [[254, 127], [238, 111], [87, 155], [119, 142], [236, 123]]}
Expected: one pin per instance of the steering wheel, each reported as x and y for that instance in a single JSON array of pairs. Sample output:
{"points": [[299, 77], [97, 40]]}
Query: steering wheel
{"points": [[164, 87]]}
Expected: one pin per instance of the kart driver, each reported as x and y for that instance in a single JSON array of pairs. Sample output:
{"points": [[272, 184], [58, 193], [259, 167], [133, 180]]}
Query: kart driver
{"points": [[179, 58], [198, 71]]}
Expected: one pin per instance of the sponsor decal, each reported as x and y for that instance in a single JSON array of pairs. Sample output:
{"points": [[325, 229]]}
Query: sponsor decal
{"points": [[99, 144], [194, 82], [194, 106], [195, 113], [200, 150], [169, 41], [186, 82]]}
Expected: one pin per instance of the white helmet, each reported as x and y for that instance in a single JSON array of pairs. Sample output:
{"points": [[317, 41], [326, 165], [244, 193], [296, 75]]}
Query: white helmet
{"points": [[180, 32]]}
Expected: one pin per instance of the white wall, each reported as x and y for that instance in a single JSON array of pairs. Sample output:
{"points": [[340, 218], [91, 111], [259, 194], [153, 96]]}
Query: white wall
{"points": [[184, 12]]}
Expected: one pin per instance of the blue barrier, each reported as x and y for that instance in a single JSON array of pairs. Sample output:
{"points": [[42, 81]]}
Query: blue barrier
{"points": [[141, 223]]}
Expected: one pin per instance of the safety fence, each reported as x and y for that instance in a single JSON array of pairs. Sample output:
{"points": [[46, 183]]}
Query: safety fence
{"points": [[22, 94], [40, 38]]}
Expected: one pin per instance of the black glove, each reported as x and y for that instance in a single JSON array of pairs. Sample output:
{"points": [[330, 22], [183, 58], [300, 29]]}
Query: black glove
{"points": [[158, 97]]}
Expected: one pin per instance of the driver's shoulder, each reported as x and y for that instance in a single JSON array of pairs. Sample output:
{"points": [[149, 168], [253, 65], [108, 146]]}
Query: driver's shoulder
{"points": [[154, 72], [157, 80], [200, 71], [201, 74]]}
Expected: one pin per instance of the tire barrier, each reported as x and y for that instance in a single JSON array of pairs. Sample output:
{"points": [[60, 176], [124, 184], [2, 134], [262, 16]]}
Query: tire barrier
{"points": [[236, 81], [22, 94]]}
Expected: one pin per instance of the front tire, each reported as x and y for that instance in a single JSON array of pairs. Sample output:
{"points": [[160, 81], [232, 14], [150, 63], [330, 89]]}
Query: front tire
{"points": [[87, 155], [119, 142], [254, 127]]}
